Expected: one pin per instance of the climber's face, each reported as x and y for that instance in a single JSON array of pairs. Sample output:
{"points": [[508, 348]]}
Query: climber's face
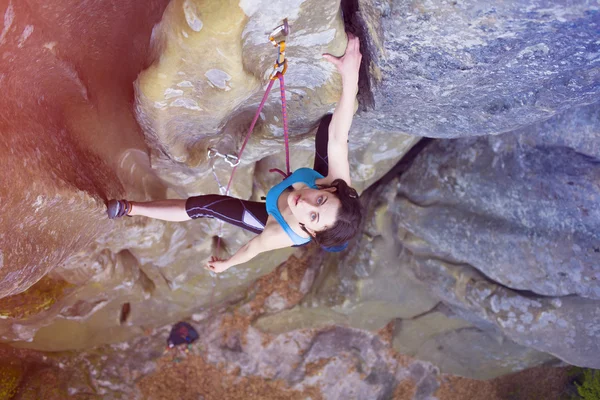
{"points": [[316, 209]]}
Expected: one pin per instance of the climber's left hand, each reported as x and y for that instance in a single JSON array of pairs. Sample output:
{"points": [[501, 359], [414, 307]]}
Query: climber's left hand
{"points": [[349, 64], [217, 265]]}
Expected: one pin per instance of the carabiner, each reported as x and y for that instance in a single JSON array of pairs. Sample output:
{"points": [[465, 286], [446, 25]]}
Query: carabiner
{"points": [[232, 160], [280, 65], [212, 152], [283, 28], [278, 69]]}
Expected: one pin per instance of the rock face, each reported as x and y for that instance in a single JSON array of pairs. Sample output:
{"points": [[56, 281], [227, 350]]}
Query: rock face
{"points": [[330, 363], [470, 68], [490, 241], [503, 242], [533, 233], [522, 208], [204, 67], [485, 250]]}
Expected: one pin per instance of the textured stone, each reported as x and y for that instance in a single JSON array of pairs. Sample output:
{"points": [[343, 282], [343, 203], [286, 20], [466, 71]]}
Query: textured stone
{"points": [[470, 68], [337, 362], [515, 207], [566, 327], [504, 230], [522, 207], [454, 345], [70, 140]]}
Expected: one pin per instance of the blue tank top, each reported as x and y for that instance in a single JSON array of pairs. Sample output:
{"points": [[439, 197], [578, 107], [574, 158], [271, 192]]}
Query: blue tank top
{"points": [[307, 176]]}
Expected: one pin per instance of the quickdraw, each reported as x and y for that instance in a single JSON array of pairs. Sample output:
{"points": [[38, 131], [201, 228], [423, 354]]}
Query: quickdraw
{"points": [[281, 62]]}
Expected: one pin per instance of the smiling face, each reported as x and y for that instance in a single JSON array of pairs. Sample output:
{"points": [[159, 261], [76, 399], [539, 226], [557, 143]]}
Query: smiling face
{"points": [[317, 209]]}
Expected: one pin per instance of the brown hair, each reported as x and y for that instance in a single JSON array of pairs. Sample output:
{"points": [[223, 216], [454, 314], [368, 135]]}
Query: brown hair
{"points": [[348, 218]]}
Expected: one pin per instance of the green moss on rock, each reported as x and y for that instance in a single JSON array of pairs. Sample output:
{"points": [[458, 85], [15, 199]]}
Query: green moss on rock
{"points": [[38, 298]]}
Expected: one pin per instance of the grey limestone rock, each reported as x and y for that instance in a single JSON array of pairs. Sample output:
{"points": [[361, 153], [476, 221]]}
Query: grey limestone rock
{"points": [[468, 68], [505, 230], [522, 207]]}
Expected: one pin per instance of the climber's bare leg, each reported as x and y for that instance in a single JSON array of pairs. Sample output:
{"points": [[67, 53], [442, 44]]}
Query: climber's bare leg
{"points": [[166, 210]]}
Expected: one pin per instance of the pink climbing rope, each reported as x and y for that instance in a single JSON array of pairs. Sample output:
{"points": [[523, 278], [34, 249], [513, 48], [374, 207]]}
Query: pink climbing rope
{"points": [[285, 124], [279, 75], [285, 129], [260, 107]]}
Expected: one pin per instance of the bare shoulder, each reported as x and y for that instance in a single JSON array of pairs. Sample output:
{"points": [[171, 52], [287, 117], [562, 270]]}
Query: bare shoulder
{"points": [[274, 236]]}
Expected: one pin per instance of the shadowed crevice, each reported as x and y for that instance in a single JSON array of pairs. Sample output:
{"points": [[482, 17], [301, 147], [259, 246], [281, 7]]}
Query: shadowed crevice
{"points": [[355, 24]]}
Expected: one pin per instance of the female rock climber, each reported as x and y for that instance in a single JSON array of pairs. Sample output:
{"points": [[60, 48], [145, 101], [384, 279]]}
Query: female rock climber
{"points": [[311, 204]]}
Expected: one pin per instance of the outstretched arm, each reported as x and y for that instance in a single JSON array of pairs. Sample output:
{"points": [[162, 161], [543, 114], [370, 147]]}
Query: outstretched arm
{"points": [[348, 65], [269, 239]]}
